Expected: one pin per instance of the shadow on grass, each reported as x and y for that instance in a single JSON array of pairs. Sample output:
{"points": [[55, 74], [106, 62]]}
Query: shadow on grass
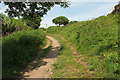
{"points": [[37, 62], [34, 64], [107, 48], [50, 52]]}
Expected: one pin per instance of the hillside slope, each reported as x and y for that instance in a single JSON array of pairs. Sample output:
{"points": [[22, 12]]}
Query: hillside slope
{"points": [[116, 9], [97, 40]]}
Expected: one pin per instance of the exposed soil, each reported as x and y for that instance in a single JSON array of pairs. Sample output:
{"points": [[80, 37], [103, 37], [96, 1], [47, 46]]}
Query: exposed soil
{"points": [[42, 68]]}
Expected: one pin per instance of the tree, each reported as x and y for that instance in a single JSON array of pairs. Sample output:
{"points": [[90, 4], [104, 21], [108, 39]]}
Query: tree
{"points": [[31, 11], [61, 20], [33, 22], [116, 9], [25, 9]]}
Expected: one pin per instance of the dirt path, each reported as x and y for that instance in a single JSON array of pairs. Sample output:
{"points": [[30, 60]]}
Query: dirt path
{"points": [[44, 66], [79, 58]]}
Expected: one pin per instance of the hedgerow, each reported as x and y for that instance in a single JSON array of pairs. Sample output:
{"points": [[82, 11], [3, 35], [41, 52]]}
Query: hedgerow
{"points": [[18, 49]]}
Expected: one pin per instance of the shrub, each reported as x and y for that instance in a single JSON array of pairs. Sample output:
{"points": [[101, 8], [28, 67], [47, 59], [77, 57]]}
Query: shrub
{"points": [[12, 25], [72, 22], [42, 29], [18, 49], [53, 29]]}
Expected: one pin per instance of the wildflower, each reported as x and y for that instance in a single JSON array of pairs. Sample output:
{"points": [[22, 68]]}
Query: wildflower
{"points": [[110, 49], [18, 28], [42, 34], [3, 34], [104, 54], [8, 34]]}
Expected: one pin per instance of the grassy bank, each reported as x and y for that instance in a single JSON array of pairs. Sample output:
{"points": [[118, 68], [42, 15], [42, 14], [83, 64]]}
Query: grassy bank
{"points": [[97, 40]]}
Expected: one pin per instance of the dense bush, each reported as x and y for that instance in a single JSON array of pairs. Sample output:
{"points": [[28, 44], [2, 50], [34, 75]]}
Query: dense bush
{"points": [[12, 25], [6, 24], [61, 20], [53, 29], [43, 29], [72, 22], [19, 23], [18, 49]]}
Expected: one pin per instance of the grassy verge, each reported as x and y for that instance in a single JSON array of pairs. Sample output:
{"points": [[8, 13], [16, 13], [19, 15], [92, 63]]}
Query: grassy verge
{"points": [[67, 65], [45, 51]]}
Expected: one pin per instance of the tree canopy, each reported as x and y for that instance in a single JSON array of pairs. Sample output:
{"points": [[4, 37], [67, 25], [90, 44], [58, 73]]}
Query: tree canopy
{"points": [[61, 20], [25, 9], [31, 12], [33, 22]]}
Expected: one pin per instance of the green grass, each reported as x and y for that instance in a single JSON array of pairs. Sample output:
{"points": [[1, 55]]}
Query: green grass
{"points": [[67, 65], [97, 40], [19, 49], [45, 51]]}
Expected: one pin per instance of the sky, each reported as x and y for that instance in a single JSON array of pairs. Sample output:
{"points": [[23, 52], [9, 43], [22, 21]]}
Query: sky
{"points": [[79, 10]]}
